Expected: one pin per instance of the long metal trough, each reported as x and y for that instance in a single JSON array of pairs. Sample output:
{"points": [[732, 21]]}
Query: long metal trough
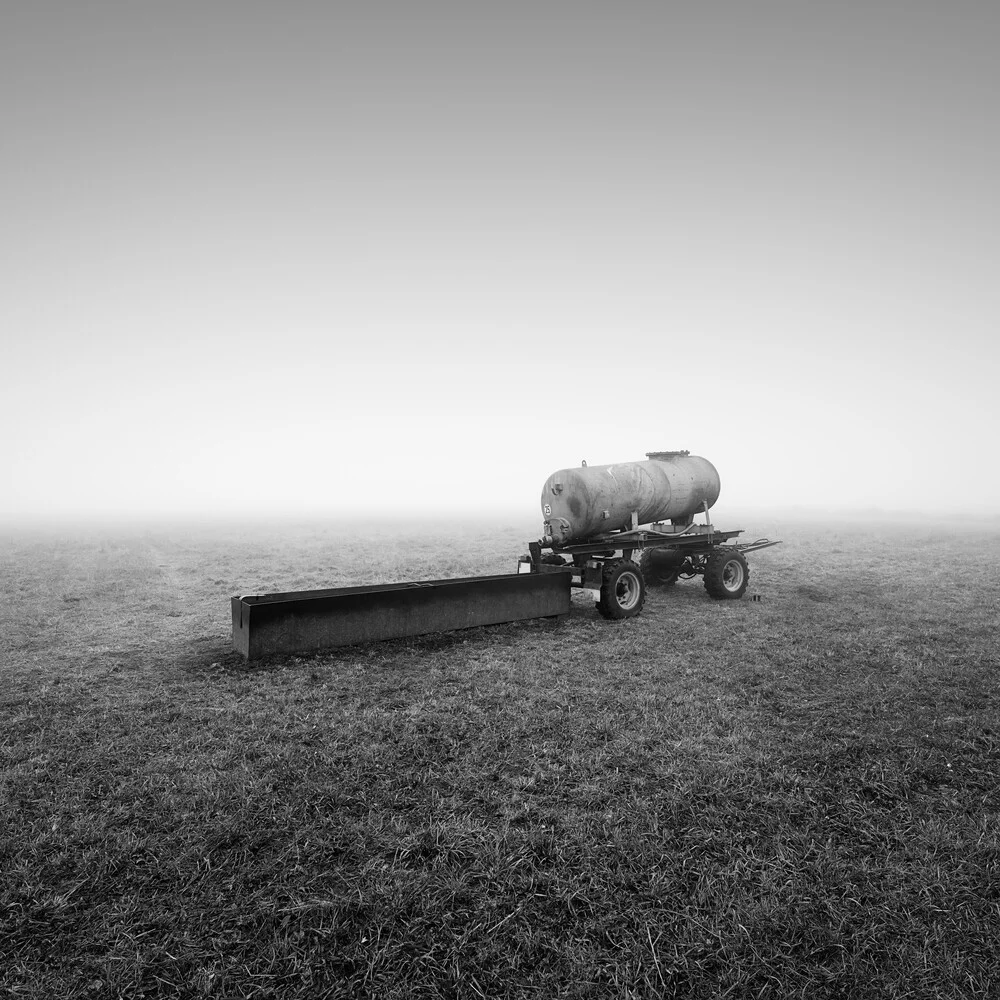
{"points": [[312, 620]]}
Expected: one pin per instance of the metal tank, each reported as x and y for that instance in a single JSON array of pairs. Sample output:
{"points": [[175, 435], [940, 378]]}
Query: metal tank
{"points": [[579, 504]]}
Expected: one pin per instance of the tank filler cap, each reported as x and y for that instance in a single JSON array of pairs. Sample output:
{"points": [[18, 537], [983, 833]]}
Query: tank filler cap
{"points": [[667, 454]]}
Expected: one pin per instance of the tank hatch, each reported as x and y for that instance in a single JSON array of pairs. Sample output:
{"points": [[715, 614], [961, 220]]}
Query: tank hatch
{"points": [[666, 454]]}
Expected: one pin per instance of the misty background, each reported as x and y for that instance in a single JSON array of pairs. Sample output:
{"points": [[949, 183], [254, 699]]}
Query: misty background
{"points": [[321, 259]]}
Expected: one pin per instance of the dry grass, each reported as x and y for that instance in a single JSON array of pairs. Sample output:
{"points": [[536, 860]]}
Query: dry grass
{"points": [[791, 797]]}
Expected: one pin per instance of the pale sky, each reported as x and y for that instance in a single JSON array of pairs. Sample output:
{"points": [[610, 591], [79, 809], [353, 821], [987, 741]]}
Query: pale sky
{"points": [[414, 257]]}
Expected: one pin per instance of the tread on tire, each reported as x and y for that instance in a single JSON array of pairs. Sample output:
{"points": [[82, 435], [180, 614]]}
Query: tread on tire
{"points": [[623, 590], [726, 573]]}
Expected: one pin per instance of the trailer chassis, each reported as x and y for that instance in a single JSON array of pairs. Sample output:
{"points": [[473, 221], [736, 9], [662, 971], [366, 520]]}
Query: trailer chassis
{"points": [[668, 552]]}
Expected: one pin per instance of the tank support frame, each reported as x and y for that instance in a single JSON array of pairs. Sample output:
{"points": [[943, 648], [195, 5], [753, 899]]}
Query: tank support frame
{"points": [[694, 541]]}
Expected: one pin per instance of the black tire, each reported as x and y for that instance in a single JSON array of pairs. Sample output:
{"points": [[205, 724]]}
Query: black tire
{"points": [[661, 567], [552, 559], [623, 590], [726, 573]]}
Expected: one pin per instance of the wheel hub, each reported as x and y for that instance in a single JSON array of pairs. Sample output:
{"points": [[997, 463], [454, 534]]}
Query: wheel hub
{"points": [[627, 591]]}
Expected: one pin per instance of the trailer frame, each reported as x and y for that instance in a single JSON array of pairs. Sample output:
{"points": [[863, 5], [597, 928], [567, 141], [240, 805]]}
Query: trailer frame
{"points": [[697, 550]]}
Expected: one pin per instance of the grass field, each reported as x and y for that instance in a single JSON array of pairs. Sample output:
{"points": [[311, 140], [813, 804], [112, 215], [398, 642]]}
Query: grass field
{"points": [[791, 797]]}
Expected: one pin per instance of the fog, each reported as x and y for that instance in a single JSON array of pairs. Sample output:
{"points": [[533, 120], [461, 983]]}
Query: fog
{"points": [[268, 260]]}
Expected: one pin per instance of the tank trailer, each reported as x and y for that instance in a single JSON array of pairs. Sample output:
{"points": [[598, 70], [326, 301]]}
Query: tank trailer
{"points": [[598, 518]]}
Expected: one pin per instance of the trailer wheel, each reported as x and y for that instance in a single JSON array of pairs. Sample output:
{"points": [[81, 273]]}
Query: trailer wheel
{"points": [[661, 567], [623, 590], [726, 573]]}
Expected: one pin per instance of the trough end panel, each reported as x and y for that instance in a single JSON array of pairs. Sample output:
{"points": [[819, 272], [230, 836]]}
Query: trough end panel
{"points": [[241, 627]]}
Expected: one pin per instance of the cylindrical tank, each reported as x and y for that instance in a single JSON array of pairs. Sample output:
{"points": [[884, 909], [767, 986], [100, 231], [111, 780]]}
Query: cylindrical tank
{"points": [[578, 504]]}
